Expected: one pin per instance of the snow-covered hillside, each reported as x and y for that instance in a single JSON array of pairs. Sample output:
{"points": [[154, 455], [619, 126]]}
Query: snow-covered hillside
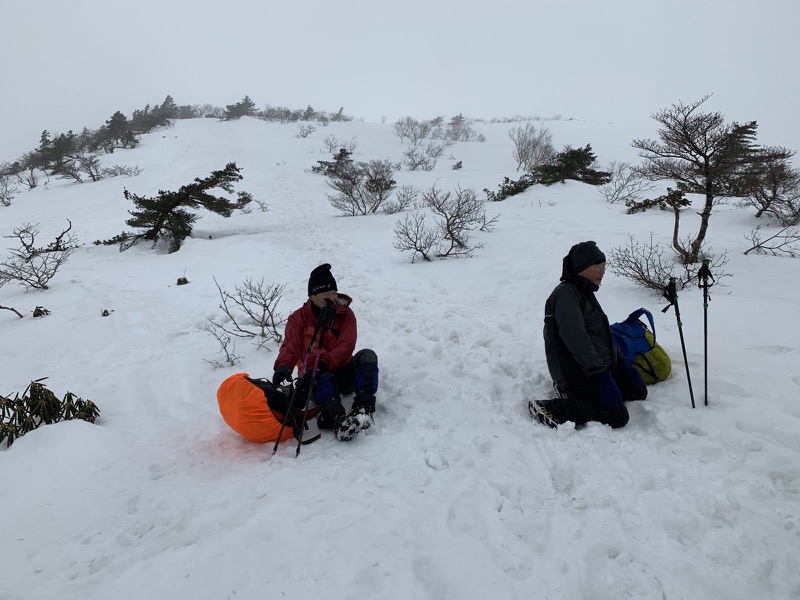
{"points": [[454, 493]]}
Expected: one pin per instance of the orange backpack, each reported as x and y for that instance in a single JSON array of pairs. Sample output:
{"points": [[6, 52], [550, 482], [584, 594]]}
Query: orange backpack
{"points": [[255, 409]]}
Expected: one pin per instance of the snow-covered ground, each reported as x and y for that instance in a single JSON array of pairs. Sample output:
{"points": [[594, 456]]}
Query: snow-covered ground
{"points": [[454, 493]]}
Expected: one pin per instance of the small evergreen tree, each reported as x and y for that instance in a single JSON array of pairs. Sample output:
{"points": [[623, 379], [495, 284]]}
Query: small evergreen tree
{"points": [[509, 187], [165, 217], [572, 163], [340, 166], [117, 133], [244, 108], [168, 109]]}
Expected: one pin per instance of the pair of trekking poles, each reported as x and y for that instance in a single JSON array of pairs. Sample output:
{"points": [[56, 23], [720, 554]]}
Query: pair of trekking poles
{"points": [[671, 294], [305, 380]]}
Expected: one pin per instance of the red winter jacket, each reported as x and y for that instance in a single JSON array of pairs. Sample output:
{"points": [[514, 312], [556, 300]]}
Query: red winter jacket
{"points": [[337, 346]]}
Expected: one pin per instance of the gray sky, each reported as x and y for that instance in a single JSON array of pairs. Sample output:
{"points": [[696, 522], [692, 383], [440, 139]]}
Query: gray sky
{"points": [[69, 64]]}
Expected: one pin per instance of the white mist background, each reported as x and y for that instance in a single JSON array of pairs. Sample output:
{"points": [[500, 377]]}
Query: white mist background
{"points": [[70, 65]]}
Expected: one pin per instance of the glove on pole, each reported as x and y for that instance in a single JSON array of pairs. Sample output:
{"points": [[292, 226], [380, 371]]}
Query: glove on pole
{"points": [[703, 275], [671, 294]]}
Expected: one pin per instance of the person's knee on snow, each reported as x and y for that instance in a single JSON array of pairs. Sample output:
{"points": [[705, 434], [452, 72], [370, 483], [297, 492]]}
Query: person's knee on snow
{"points": [[616, 418]]}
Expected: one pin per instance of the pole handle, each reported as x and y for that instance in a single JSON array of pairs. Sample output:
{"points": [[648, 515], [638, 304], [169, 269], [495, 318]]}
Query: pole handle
{"points": [[670, 293]]}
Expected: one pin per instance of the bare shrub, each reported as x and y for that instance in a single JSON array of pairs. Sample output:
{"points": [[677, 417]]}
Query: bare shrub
{"points": [[305, 130], [12, 309], [75, 167], [333, 143], [424, 158], [28, 177], [209, 111], [362, 188], [33, 267], [647, 266], [251, 311], [456, 214], [262, 205], [3, 281], [643, 264], [412, 234], [122, 170], [532, 147], [459, 129], [404, 196], [459, 213], [627, 184], [227, 346], [785, 242], [416, 160], [90, 164], [408, 128], [7, 190], [70, 169]]}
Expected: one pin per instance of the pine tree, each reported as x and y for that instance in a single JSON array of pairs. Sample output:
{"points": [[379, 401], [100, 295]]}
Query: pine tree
{"points": [[63, 148], [244, 108], [117, 133], [572, 163], [168, 108], [704, 155], [166, 216]]}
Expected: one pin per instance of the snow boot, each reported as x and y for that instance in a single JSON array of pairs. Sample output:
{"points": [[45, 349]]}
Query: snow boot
{"points": [[538, 410]]}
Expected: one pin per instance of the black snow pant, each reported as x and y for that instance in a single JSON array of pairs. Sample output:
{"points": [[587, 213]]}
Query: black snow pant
{"points": [[581, 403]]}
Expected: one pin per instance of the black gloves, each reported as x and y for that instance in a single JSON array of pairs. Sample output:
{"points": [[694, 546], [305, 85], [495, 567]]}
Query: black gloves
{"points": [[282, 373], [633, 375]]}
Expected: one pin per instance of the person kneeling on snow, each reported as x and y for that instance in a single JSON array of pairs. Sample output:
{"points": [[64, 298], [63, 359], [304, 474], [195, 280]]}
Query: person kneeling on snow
{"points": [[590, 374], [338, 371]]}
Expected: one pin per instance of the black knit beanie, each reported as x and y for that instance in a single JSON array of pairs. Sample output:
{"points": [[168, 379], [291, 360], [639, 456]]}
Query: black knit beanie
{"points": [[583, 255], [321, 280]]}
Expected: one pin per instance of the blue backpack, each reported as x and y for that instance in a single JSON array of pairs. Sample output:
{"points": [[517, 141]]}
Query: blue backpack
{"points": [[638, 344]]}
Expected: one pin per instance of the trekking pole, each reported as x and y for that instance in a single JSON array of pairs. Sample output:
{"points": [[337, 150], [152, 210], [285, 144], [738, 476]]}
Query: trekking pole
{"points": [[671, 294], [325, 316], [703, 276], [317, 328]]}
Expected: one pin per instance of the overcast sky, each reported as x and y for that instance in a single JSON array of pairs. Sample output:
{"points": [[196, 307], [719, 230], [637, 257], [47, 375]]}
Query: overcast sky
{"points": [[69, 64]]}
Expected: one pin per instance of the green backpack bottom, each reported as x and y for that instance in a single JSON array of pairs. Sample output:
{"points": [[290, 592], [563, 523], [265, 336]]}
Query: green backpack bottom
{"points": [[655, 364]]}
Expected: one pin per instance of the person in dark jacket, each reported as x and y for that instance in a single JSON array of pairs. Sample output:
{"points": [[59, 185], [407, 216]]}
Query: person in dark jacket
{"points": [[590, 375], [338, 372]]}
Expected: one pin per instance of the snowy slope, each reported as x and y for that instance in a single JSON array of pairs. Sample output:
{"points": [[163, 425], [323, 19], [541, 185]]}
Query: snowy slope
{"points": [[454, 493]]}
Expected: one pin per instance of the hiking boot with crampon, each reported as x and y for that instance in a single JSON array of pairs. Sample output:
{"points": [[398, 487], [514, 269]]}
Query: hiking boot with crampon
{"points": [[539, 412], [363, 405], [346, 428]]}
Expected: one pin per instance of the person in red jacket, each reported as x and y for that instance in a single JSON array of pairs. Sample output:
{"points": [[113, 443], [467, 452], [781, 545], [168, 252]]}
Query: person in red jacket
{"points": [[338, 371]]}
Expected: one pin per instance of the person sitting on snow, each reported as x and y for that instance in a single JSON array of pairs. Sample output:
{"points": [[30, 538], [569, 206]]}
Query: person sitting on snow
{"points": [[338, 371], [591, 376]]}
